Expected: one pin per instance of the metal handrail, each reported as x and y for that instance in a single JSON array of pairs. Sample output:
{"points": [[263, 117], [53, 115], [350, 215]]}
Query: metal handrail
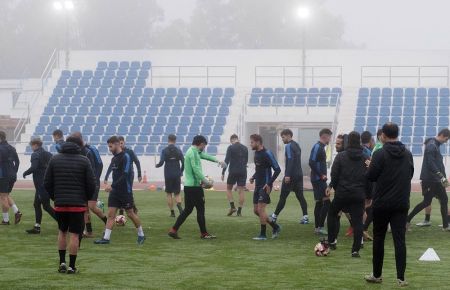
{"points": [[46, 73], [207, 75]]}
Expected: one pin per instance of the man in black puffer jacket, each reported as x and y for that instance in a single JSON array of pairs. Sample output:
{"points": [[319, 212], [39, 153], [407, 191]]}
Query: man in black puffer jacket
{"points": [[348, 178], [70, 182], [392, 168]]}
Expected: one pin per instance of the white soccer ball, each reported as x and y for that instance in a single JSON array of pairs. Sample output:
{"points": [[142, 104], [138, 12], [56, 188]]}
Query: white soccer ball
{"points": [[211, 182], [121, 220], [322, 249]]}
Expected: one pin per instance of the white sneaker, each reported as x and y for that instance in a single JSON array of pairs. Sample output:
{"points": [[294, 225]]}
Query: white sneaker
{"points": [[424, 224], [402, 283], [372, 279]]}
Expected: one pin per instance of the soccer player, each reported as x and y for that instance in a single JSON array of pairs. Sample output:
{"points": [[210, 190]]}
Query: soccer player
{"points": [[134, 159], [39, 162], [70, 182], [392, 168], [58, 137], [9, 165], [97, 166], [433, 177], [348, 179], [120, 191], [263, 178], [173, 161], [236, 160], [193, 190], [318, 165], [293, 176]]}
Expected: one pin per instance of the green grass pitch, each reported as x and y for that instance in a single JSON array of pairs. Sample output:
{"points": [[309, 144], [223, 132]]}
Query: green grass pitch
{"points": [[233, 261]]}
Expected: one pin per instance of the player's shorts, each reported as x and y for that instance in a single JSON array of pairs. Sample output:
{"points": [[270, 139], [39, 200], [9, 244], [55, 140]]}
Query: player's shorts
{"points": [[173, 185], [11, 185], [260, 196], [319, 188], [295, 185], [96, 192], [72, 222], [125, 201], [237, 178], [4, 185]]}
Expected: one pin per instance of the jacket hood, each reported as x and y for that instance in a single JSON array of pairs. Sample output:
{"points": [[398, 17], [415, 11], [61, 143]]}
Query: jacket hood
{"points": [[355, 153], [70, 148], [395, 149], [432, 140]]}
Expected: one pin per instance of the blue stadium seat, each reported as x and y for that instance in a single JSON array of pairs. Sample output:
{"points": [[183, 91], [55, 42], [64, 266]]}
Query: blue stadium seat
{"points": [[373, 111], [396, 111], [431, 121], [361, 111], [406, 131], [375, 92], [421, 101], [188, 111], [419, 131], [416, 150], [386, 93], [300, 101], [408, 121], [374, 101], [200, 111], [183, 92], [420, 111], [383, 120], [397, 93], [410, 92], [444, 121], [362, 102], [191, 101], [372, 121], [385, 111], [363, 92]]}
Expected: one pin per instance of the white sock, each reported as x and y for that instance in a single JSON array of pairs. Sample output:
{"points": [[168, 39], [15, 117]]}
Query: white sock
{"points": [[15, 208], [107, 235], [305, 216], [140, 231], [5, 217], [37, 225], [274, 215]]}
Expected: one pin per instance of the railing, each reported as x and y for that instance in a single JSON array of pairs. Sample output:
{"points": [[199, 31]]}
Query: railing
{"points": [[285, 76], [410, 75], [205, 74], [52, 63]]}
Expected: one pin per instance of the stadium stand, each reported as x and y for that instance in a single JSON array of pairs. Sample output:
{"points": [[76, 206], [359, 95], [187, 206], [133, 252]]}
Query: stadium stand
{"points": [[114, 99], [421, 113]]}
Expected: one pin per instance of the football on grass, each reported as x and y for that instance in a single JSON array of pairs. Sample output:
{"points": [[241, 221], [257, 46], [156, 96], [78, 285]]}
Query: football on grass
{"points": [[322, 249], [121, 220]]}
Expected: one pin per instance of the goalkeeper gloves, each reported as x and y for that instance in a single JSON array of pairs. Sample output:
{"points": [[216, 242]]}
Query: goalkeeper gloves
{"points": [[444, 180]]}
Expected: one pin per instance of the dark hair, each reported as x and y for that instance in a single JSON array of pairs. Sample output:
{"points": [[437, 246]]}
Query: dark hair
{"points": [[76, 140], [354, 140], [234, 137], [113, 139], [36, 141], [366, 136], [256, 138], [77, 134], [379, 132], [2, 136], [390, 130], [286, 132], [340, 136], [58, 133], [121, 138], [444, 132], [325, 131], [198, 140], [172, 138]]}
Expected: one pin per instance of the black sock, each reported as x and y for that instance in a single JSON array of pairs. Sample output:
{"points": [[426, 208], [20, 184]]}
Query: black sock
{"points": [[263, 230], [180, 208], [232, 204], [89, 227], [121, 212], [72, 258], [427, 217], [172, 211], [104, 219], [62, 256], [239, 209]]}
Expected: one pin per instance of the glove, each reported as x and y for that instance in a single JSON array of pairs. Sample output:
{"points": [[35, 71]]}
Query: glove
{"points": [[444, 180]]}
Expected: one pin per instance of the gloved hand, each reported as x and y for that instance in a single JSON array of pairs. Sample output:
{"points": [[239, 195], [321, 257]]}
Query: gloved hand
{"points": [[444, 180]]}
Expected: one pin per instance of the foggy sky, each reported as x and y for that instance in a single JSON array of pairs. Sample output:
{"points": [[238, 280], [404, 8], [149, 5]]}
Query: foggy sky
{"points": [[374, 24]]}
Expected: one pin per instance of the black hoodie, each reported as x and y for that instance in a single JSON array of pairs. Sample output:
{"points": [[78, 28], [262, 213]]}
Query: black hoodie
{"points": [[69, 178], [432, 162], [348, 175], [392, 168]]}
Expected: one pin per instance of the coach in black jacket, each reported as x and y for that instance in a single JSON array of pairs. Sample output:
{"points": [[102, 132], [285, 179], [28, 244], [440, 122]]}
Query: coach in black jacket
{"points": [[348, 178], [70, 181], [392, 168]]}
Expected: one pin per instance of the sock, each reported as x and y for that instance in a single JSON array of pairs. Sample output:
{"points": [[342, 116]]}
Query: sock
{"points": [[239, 209], [427, 217], [62, 256], [172, 211], [15, 208], [263, 230], [232, 205], [180, 208], [107, 235], [89, 227], [140, 231], [5, 217], [104, 219], [37, 225], [72, 258]]}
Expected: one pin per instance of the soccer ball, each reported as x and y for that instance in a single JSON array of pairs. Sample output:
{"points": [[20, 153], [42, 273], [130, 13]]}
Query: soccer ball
{"points": [[276, 187], [211, 183], [322, 249], [121, 220], [101, 205]]}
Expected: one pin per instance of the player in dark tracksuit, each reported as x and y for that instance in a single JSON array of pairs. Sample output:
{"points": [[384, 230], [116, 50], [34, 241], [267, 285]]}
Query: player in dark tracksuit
{"points": [[173, 161], [433, 177], [9, 165], [263, 178], [120, 191], [39, 162], [236, 159], [318, 165], [293, 176]]}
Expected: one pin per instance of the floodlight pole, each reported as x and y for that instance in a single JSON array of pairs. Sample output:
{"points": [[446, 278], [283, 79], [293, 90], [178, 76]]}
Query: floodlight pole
{"points": [[67, 58], [303, 54]]}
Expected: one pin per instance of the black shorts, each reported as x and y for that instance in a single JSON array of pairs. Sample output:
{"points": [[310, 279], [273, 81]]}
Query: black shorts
{"points": [[4, 185], [73, 222], [295, 185], [125, 201], [319, 188], [173, 185], [237, 178], [260, 196]]}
